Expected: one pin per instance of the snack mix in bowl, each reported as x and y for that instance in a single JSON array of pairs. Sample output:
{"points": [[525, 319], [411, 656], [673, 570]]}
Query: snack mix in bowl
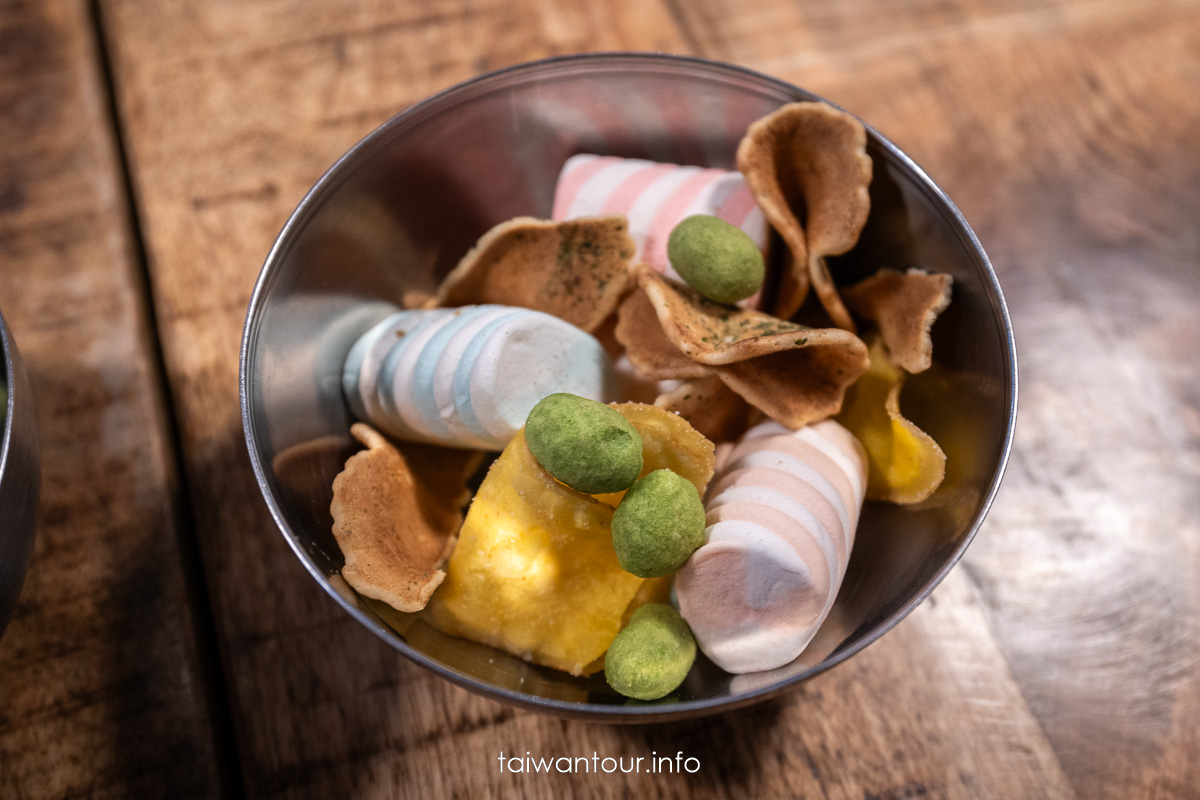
{"points": [[627, 434]]}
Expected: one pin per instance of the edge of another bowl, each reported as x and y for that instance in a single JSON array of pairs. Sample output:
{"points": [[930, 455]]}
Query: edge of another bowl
{"points": [[619, 713], [20, 477]]}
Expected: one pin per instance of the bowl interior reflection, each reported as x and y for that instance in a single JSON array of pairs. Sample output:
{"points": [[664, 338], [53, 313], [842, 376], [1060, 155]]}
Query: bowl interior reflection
{"points": [[399, 210]]}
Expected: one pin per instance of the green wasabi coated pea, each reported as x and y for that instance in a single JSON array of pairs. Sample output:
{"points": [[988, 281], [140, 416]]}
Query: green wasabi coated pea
{"points": [[717, 259], [585, 444], [651, 655], [658, 524]]}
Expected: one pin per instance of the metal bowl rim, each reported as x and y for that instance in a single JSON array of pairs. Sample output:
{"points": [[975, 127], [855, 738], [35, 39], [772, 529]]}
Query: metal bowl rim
{"points": [[590, 711], [10, 380]]}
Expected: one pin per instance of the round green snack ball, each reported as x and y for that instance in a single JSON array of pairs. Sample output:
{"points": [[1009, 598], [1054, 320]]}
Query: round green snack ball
{"points": [[652, 654], [658, 525], [717, 259], [585, 444]]}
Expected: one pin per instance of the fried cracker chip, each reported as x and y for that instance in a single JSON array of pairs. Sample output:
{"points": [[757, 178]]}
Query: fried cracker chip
{"points": [[534, 572], [792, 373], [904, 306], [576, 270], [647, 346], [395, 516], [905, 464], [712, 407], [810, 159]]}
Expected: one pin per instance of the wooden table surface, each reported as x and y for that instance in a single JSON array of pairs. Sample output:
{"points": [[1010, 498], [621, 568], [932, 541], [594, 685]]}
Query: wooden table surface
{"points": [[168, 643]]}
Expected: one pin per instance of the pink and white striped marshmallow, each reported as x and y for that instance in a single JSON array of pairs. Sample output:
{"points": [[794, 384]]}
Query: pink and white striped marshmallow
{"points": [[654, 197], [781, 515]]}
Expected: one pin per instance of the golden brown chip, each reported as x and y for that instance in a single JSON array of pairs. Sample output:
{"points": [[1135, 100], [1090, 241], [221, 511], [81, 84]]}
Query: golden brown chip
{"points": [[810, 159], [711, 333], [606, 335], [712, 407], [904, 306], [792, 373], [647, 347], [905, 464], [396, 515], [576, 270]]}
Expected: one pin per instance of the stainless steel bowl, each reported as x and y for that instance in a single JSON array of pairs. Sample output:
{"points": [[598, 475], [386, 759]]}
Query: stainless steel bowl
{"points": [[402, 206], [20, 475]]}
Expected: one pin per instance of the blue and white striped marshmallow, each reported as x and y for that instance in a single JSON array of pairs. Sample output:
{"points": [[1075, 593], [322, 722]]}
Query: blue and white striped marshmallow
{"points": [[467, 377]]}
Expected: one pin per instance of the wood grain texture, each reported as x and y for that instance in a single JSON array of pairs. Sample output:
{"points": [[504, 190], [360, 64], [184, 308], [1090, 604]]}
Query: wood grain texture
{"points": [[100, 688], [1067, 133], [1041, 120]]}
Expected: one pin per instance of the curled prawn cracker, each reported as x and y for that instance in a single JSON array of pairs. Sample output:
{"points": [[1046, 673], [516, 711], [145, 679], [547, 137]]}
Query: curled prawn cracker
{"points": [[576, 270], [905, 464], [712, 407], [396, 516], [792, 373], [904, 306], [810, 159]]}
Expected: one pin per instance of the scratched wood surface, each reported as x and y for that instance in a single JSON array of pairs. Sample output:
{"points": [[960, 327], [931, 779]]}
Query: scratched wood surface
{"points": [[101, 688], [1060, 659]]}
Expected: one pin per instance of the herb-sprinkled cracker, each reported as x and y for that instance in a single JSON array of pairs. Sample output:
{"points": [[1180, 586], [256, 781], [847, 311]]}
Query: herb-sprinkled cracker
{"points": [[904, 306], [807, 166], [396, 515], [647, 346], [576, 270], [792, 373]]}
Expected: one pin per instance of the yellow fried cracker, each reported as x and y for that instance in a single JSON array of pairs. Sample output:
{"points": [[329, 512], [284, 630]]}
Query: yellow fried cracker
{"points": [[710, 406], [810, 160], [576, 270], [668, 442], [534, 572], [904, 306], [792, 373], [905, 464], [395, 516]]}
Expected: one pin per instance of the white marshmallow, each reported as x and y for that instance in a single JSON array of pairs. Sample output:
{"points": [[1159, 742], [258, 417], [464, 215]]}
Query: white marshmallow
{"points": [[531, 356]]}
